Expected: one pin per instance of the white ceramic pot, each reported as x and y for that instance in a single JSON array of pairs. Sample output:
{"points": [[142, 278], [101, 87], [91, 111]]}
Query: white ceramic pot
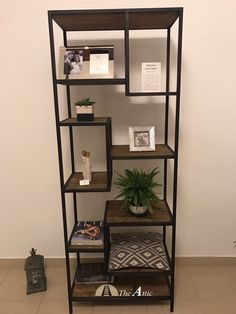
{"points": [[84, 109], [138, 211], [84, 113]]}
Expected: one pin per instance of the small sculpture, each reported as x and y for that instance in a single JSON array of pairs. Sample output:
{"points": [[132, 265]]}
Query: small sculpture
{"points": [[86, 167]]}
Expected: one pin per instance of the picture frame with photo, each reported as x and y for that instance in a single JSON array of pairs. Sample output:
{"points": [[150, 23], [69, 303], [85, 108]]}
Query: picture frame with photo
{"points": [[86, 62], [141, 138]]}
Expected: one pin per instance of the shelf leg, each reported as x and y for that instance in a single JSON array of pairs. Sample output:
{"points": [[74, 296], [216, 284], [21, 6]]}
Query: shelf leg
{"points": [[172, 304], [70, 307], [78, 258]]}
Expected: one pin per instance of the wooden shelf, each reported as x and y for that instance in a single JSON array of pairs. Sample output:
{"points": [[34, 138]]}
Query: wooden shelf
{"points": [[99, 183], [95, 20], [151, 94], [138, 272], [153, 19], [158, 286], [116, 215], [89, 20], [86, 248], [96, 122], [114, 81], [122, 152]]}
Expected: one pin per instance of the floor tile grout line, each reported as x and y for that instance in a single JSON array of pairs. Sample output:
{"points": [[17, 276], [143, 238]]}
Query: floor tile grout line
{"points": [[5, 277], [196, 291], [194, 286], [197, 299], [39, 306], [49, 279]]}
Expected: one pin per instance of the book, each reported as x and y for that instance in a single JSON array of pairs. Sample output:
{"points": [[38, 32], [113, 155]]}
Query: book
{"points": [[86, 62], [88, 233], [92, 273]]}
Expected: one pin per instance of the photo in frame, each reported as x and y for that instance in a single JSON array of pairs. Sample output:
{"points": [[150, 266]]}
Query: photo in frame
{"points": [[86, 62], [151, 77], [141, 138]]}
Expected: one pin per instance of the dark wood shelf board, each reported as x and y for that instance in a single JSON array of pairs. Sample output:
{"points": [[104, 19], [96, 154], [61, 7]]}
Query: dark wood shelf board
{"points": [[108, 81], [152, 94], [116, 215], [90, 21], [122, 152], [115, 19], [157, 285], [138, 272], [98, 184], [152, 20], [85, 248], [96, 122]]}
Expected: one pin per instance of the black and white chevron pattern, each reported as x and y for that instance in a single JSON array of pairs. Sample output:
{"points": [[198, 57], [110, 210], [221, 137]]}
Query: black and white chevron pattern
{"points": [[132, 250]]}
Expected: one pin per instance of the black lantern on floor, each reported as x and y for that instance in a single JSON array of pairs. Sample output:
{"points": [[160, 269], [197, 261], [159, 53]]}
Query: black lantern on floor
{"points": [[34, 268]]}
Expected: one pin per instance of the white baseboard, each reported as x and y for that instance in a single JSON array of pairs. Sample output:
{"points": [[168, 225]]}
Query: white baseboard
{"points": [[206, 261]]}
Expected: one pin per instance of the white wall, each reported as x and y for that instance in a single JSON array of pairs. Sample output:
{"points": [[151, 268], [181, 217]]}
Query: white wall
{"points": [[30, 212]]}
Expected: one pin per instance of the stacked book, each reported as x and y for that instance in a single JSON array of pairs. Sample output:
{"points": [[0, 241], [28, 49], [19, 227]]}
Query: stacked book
{"points": [[88, 233], [93, 273]]}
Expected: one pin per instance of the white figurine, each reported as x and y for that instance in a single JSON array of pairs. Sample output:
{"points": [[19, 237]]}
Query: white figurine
{"points": [[86, 168]]}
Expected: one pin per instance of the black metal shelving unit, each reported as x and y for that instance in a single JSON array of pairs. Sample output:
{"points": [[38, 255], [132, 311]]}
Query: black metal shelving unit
{"points": [[162, 283]]}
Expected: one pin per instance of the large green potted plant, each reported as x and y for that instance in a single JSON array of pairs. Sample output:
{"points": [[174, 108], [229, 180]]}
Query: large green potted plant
{"points": [[137, 190], [84, 109]]}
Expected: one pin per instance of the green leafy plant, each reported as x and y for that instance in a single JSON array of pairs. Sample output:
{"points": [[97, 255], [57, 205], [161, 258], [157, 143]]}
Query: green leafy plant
{"points": [[137, 187], [85, 102]]}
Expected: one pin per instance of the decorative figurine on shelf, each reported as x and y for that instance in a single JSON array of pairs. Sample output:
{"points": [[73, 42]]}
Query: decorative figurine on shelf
{"points": [[86, 168], [34, 268]]}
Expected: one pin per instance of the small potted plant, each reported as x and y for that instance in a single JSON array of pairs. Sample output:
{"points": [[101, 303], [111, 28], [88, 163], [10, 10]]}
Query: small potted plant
{"points": [[137, 190], [84, 109]]}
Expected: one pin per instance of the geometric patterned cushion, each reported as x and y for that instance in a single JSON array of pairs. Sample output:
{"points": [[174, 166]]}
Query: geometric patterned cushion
{"points": [[137, 250]]}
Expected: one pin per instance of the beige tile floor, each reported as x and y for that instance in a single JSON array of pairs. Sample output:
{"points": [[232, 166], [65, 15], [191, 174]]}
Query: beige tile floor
{"points": [[199, 290]]}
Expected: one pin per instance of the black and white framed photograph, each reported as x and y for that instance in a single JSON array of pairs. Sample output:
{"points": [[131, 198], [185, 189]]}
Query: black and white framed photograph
{"points": [[73, 61], [142, 138], [85, 62]]}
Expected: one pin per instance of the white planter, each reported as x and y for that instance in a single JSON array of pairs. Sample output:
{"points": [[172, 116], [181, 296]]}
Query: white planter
{"points": [[84, 113], [138, 211], [84, 109]]}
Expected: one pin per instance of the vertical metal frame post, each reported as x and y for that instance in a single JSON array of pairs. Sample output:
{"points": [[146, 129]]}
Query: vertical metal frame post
{"points": [[108, 151], [70, 134], [167, 106], [176, 148], [127, 77], [61, 171], [71, 142], [166, 119]]}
